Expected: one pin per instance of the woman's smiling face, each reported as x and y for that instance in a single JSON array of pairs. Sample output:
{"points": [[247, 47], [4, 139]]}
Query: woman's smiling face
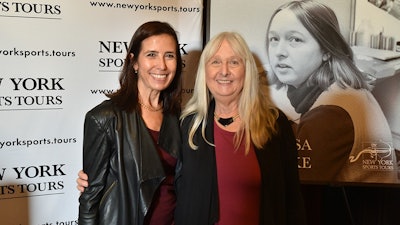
{"points": [[156, 63], [225, 73], [293, 52]]}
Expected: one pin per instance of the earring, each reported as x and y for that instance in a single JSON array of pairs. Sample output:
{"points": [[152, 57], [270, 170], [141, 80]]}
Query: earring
{"points": [[326, 57]]}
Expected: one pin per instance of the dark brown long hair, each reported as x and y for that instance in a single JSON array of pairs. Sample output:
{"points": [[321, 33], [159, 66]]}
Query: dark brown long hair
{"points": [[126, 96]]}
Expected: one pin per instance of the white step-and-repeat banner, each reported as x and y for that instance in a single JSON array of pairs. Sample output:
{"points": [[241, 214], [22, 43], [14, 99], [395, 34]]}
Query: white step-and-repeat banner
{"points": [[57, 59]]}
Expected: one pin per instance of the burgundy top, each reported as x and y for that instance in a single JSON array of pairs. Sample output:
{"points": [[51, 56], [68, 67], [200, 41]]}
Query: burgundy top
{"points": [[161, 211], [239, 181]]}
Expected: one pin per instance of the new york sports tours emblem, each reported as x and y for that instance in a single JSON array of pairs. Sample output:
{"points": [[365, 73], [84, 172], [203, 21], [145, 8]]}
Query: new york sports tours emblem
{"points": [[375, 156]]}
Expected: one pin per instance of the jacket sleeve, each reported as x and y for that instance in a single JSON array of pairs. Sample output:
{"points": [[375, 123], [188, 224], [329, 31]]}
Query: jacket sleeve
{"points": [[331, 142], [294, 201], [96, 153]]}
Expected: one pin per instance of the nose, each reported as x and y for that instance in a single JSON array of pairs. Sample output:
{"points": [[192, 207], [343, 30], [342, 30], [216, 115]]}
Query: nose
{"points": [[225, 68], [161, 63], [280, 49]]}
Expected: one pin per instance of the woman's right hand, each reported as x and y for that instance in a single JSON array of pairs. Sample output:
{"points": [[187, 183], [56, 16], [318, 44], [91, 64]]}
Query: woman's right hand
{"points": [[82, 181]]}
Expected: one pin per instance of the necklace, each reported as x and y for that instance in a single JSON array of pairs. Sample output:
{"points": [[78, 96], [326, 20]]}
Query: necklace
{"points": [[226, 121], [150, 108]]}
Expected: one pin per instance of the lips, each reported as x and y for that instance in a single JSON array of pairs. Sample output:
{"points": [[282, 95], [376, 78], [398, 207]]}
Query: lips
{"points": [[159, 76], [282, 68], [224, 81], [281, 65]]}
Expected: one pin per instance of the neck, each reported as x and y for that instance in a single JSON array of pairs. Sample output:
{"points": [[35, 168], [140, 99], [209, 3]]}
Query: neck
{"points": [[226, 110], [151, 104]]}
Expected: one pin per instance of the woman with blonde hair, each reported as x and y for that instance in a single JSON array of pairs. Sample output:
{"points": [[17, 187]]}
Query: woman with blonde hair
{"points": [[239, 159]]}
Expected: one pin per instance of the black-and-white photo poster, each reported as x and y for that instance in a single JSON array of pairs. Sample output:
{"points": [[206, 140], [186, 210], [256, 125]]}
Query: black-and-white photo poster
{"points": [[335, 72]]}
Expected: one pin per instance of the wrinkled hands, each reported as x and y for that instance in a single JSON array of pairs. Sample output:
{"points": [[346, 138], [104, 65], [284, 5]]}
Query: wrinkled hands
{"points": [[82, 181]]}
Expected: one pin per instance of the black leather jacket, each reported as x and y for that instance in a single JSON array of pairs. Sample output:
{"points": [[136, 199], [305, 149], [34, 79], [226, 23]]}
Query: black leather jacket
{"points": [[123, 165]]}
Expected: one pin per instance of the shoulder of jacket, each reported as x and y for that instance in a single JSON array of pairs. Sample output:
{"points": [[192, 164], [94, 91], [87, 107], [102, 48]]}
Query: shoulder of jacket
{"points": [[281, 118], [184, 122], [105, 110]]}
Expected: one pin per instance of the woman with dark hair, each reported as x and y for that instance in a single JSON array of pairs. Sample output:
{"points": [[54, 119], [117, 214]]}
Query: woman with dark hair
{"points": [[131, 141], [340, 123]]}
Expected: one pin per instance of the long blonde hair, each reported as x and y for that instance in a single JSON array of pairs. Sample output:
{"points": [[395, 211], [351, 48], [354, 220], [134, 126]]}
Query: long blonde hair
{"points": [[256, 110]]}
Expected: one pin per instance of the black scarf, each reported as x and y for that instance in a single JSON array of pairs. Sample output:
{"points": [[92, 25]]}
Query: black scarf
{"points": [[303, 97]]}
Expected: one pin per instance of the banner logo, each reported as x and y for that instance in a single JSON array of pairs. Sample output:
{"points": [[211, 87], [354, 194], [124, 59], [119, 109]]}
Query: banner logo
{"points": [[36, 181], [32, 92], [375, 156], [31, 10]]}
